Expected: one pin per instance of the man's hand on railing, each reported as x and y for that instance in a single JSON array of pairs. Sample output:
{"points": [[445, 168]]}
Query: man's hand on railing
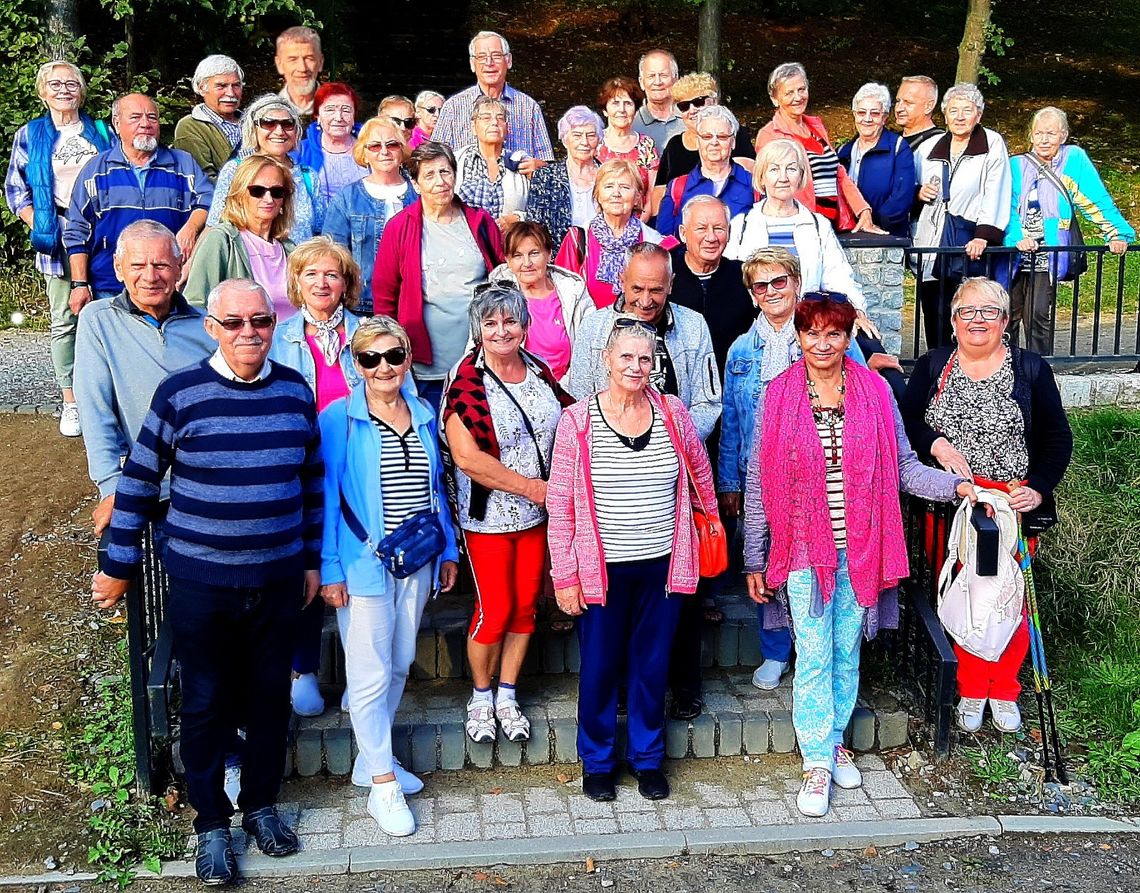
{"points": [[758, 590], [1117, 246], [106, 591], [949, 458], [864, 224], [1028, 244], [102, 514]]}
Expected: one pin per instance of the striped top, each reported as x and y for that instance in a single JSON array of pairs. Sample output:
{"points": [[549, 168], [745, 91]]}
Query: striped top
{"points": [[781, 233], [405, 475], [824, 171], [635, 491], [831, 438]]}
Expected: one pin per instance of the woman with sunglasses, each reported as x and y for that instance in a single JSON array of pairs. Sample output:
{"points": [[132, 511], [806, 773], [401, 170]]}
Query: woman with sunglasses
{"points": [[382, 467], [500, 410], [330, 139], [357, 216], [270, 126], [991, 412], [250, 241], [824, 539], [827, 189], [428, 104], [398, 110]]}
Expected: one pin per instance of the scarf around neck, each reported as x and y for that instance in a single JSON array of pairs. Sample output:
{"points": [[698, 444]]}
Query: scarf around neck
{"points": [[326, 333], [612, 261], [781, 348]]}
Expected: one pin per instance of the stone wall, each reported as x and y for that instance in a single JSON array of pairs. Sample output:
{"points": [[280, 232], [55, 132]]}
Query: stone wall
{"points": [[1100, 389], [878, 264]]}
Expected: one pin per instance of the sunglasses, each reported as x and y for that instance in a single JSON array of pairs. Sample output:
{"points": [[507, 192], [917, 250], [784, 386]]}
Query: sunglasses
{"points": [[835, 297], [695, 103], [288, 125], [431, 109], [275, 192], [406, 123], [260, 321], [391, 146], [630, 322], [393, 356], [760, 287]]}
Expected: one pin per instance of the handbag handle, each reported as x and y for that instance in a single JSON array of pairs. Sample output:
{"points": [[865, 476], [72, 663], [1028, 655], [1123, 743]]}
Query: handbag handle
{"points": [[525, 418], [684, 455]]}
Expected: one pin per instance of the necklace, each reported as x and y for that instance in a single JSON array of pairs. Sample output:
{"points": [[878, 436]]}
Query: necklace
{"points": [[831, 416], [636, 442]]}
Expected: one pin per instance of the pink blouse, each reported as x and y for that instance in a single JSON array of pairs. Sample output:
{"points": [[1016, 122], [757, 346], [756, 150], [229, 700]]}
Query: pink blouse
{"points": [[331, 384], [547, 336], [268, 264]]}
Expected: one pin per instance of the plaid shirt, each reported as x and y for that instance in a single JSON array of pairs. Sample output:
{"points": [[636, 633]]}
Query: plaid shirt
{"points": [[231, 130], [526, 128], [477, 190]]}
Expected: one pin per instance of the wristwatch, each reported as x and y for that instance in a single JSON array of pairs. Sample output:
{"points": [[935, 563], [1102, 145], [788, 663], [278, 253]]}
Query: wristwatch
{"points": [[79, 283]]}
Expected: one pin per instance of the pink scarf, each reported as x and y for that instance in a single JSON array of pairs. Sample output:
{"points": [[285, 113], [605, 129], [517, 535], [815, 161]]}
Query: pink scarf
{"points": [[794, 487]]}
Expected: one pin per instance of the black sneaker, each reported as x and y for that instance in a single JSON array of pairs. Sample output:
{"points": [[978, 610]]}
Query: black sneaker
{"points": [[273, 836], [599, 786], [651, 783], [214, 860]]}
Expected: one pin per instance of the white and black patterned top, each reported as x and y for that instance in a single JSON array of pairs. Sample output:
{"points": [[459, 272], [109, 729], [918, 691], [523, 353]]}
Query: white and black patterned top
{"points": [[405, 475], [635, 490], [506, 512], [831, 438], [983, 421]]}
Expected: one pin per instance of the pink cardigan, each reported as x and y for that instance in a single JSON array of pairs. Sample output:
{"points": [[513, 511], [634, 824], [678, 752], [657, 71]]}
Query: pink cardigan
{"points": [[397, 280], [572, 531]]}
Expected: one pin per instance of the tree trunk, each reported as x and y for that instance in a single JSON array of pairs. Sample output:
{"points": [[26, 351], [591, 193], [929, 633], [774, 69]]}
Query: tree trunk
{"points": [[708, 38], [973, 45], [63, 27]]}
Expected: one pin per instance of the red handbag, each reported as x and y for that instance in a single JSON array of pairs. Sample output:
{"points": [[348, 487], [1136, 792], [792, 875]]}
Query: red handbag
{"points": [[712, 543]]}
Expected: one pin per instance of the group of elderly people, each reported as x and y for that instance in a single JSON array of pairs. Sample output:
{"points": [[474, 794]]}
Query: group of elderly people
{"points": [[559, 367]]}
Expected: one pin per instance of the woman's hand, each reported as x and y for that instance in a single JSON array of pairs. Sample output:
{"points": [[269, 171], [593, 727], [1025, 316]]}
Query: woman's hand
{"points": [[1024, 499], [335, 595], [863, 324], [729, 503], [949, 458], [537, 493], [966, 490], [864, 224], [448, 574], [571, 600], [1027, 244], [928, 193], [758, 590], [1117, 246], [974, 248]]}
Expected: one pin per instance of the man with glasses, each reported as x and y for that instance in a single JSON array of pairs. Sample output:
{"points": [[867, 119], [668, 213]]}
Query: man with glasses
{"points": [[299, 62], [526, 132], [211, 133], [658, 117], [238, 436]]}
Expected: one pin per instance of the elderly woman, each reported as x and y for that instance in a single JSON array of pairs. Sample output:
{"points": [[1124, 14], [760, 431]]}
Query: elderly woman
{"points": [[428, 104], [834, 550], [556, 299], [382, 469], [622, 542], [250, 241], [991, 412], [487, 177], [400, 111], [47, 155], [619, 99], [562, 193], [597, 253], [500, 411], [357, 216], [432, 254], [1050, 182], [211, 133], [329, 145], [716, 173], [826, 190], [880, 161], [271, 126], [966, 191]]}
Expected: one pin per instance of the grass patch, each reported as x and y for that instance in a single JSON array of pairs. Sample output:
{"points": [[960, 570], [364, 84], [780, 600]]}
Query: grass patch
{"points": [[993, 766], [22, 291]]}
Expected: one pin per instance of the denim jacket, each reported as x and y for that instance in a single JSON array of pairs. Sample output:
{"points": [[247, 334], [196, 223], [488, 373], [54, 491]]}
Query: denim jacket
{"points": [[290, 348]]}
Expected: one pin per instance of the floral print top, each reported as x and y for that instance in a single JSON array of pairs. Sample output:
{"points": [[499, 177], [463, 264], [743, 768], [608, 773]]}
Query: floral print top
{"points": [[644, 155]]}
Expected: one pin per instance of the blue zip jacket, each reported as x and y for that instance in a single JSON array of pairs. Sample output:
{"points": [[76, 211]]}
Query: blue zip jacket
{"points": [[352, 467], [887, 181], [309, 151], [290, 349], [737, 194]]}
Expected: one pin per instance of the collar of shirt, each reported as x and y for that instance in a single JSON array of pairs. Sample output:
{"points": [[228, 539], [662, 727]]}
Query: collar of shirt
{"points": [[231, 130], [218, 364], [507, 96], [647, 117]]}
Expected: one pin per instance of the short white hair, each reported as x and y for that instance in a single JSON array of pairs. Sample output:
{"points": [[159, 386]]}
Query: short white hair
{"points": [[424, 95], [703, 199], [579, 116], [483, 35], [719, 113], [1050, 111], [225, 285], [146, 229], [212, 67], [872, 90], [969, 92], [674, 71], [987, 288], [927, 82], [782, 73]]}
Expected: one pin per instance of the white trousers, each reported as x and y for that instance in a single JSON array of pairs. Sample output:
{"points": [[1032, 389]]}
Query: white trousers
{"points": [[379, 635]]}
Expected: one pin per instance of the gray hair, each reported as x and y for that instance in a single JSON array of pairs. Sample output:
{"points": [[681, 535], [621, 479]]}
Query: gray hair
{"points": [[212, 67], [424, 95], [925, 81], [486, 102], [1050, 111], [698, 200], [299, 34], [496, 297], [373, 327], [256, 109], [483, 35], [781, 73], [969, 92], [986, 287], [43, 75], [673, 69], [146, 229], [579, 116], [225, 285], [718, 113], [651, 250], [118, 101], [627, 325], [872, 90]]}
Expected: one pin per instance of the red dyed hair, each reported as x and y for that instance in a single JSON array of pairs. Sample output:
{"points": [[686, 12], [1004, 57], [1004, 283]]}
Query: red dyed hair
{"points": [[822, 310], [335, 88]]}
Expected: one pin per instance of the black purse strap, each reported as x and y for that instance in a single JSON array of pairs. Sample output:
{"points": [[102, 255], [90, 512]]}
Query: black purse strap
{"points": [[525, 418]]}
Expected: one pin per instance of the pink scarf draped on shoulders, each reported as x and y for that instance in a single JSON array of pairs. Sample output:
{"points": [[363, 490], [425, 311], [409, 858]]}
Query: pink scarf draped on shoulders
{"points": [[794, 486]]}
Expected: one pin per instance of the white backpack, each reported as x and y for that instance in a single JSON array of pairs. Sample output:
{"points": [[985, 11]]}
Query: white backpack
{"points": [[982, 613]]}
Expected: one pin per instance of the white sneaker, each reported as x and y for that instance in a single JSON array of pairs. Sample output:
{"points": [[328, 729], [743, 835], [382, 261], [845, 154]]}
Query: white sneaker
{"points": [[306, 696], [1006, 715], [232, 783], [768, 674], [515, 726], [480, 723], [815, 793], [387, 805], [410, 784], [69, 421], [970, 713], [846, 774]]}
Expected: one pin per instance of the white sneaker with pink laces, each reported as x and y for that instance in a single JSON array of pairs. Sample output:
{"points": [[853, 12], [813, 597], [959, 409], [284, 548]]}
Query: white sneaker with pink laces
{"points": [[846, 774], [815, 793]]}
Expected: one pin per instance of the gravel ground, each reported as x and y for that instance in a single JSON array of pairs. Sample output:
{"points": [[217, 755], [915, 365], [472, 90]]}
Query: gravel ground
{"points": [[26, 375]]}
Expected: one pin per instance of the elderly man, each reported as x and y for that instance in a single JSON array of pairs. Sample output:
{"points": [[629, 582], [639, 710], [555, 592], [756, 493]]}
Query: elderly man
{"points": [[239, 437], [211, 133], [526, 131], [915, 102], [136, 179], [299, 62], [658, 118]]}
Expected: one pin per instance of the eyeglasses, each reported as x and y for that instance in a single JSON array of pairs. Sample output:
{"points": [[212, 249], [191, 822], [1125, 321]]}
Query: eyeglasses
{"points": [[835, 297], [697, 102], [431, 109], [760, 287], [406, 123], [275, 192], [488, 117], [393, 356], [391, 146], [988, 313], [484, 58], [288, 125], [260, 321], [715, 137], [58, 86], [337, 109]]}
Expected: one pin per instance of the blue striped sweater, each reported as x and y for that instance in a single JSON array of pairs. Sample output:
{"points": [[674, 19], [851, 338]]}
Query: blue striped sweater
{"points": [[246, 498]]}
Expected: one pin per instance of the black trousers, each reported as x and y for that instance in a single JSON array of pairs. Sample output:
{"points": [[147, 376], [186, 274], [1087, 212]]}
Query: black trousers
{"points": [[934, 296], [234, 648]]}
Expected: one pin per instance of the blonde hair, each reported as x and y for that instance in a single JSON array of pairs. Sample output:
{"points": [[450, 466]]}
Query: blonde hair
{"points": [[374, 327], [698, 83], [777, 150], [314, 249], [236, 211], [987, 288], [368, 131], [620, 167], [771, 256], [43, 75]]}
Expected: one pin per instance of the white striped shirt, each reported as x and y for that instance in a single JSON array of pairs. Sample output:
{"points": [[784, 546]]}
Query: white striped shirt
{"points": [[405, 475], [833, 447], [635, 491]]}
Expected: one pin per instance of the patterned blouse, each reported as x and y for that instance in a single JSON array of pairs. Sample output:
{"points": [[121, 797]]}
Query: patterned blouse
{"points": [[644, 155]]}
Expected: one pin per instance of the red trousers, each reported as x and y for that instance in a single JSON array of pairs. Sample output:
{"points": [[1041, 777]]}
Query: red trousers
{"points": [[508, 569]]}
